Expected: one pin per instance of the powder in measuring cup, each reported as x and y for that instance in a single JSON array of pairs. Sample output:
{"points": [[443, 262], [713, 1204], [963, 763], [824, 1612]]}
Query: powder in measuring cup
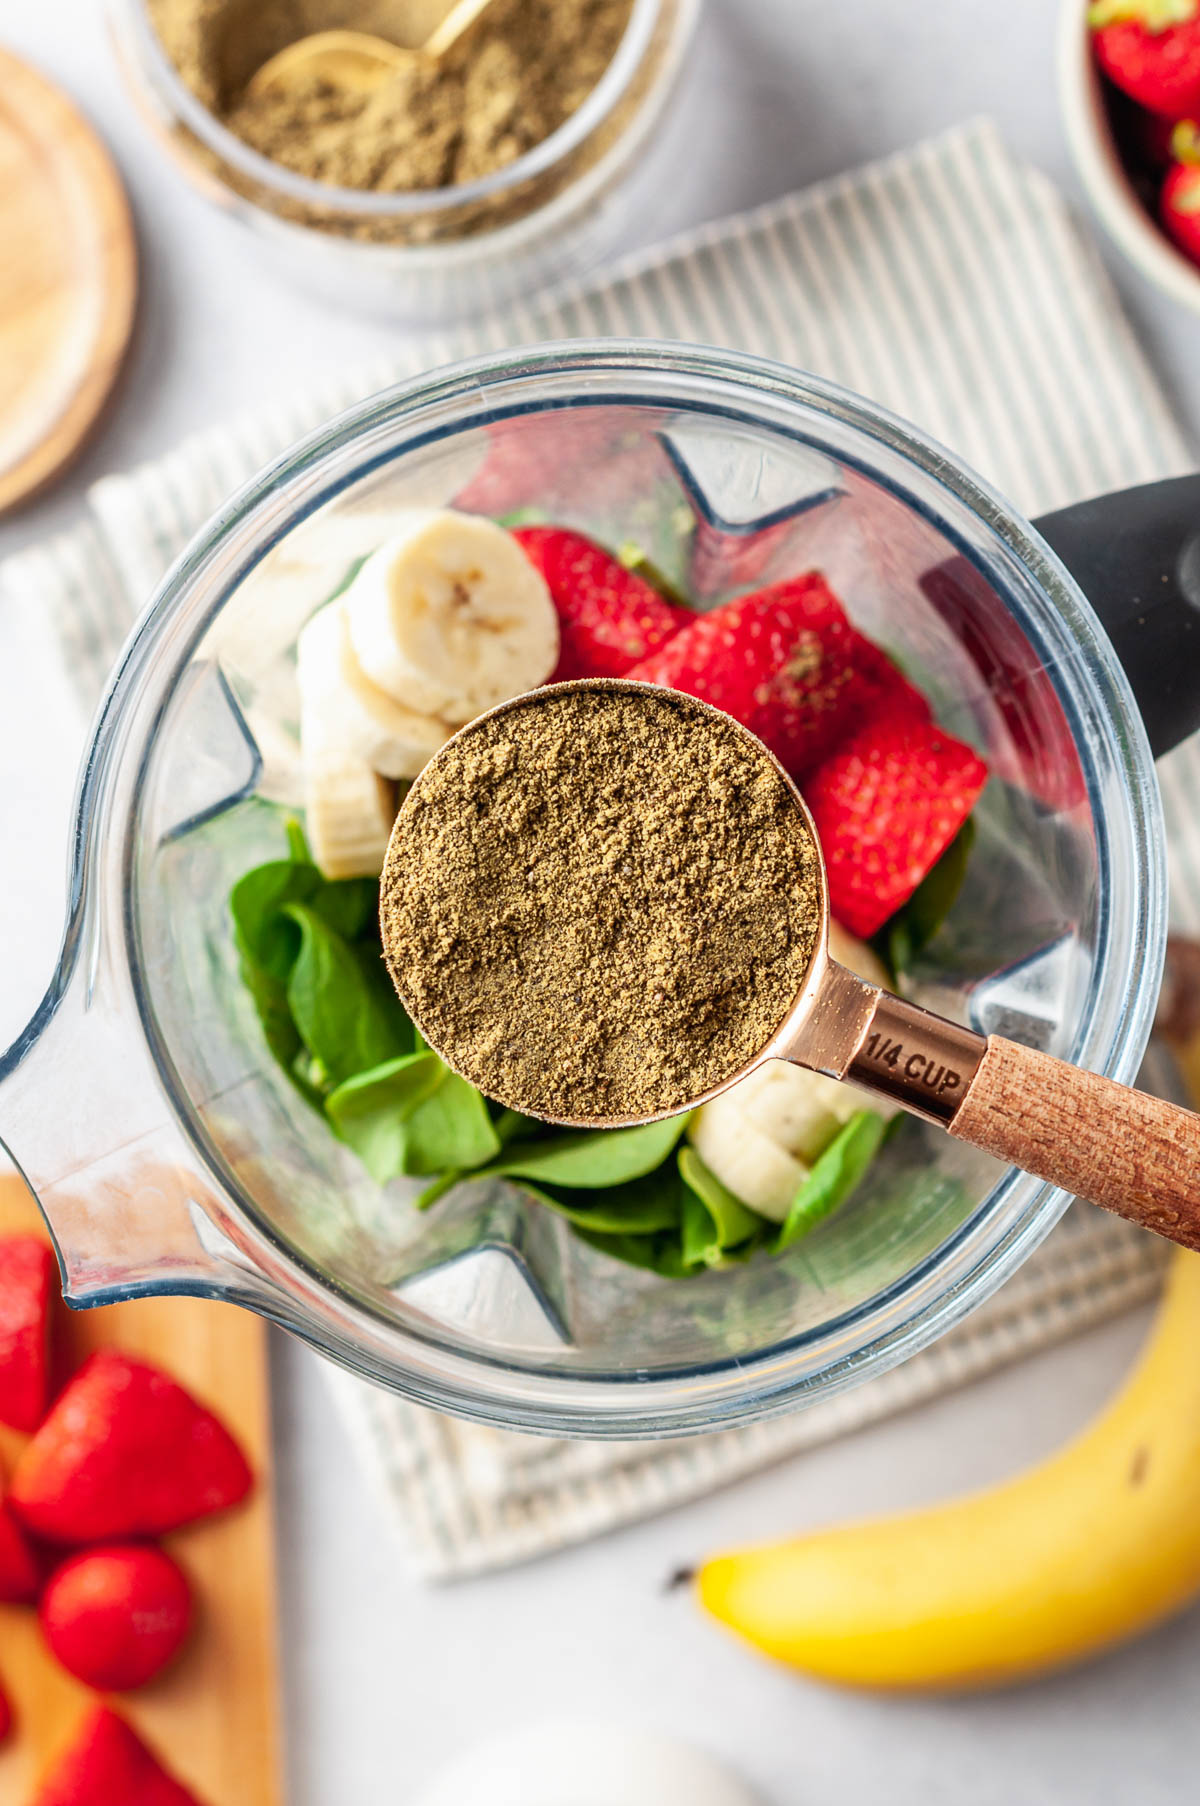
{"points": [[600, 904], [507, 85]]}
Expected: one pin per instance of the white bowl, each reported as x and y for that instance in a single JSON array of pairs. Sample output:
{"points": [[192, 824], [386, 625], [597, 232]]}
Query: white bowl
{"points": [[1103, 175]]}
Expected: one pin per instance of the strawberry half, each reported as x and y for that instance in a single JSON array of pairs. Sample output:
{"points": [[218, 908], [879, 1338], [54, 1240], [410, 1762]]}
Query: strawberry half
{"points": [[20, 1570], [886, 806], [609, 618], [109, 1765], [883, 688], [28, 1283], [546, 461], [125, 1452], [1151, 50], [787, 664], [115, 1617]]}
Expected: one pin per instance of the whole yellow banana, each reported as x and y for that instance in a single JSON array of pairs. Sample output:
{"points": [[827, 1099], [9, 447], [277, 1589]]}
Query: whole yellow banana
{"points": [[1087, 1549]]}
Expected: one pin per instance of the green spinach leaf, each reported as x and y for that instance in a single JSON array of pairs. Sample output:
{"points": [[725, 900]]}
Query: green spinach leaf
{"points": [[733, 1221], [347, 905], [269, 995], [833, 1177], [440, 1186], [511, 1125], [344, 1019], [413, 1115], [643, 1207], [265, 936], [449, 1129], [593, 1158], [370, 1111], [907, 933], [660, 1254]]}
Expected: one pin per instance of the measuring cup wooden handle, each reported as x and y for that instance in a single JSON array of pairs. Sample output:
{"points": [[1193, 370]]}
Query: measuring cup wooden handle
{"points": [[1131, 1153]]}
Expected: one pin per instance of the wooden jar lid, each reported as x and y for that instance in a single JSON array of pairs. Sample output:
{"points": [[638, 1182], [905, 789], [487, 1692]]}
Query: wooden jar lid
{"points": [[68, 280]]}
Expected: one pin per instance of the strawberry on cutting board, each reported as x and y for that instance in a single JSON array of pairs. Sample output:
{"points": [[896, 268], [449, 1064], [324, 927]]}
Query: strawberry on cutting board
{"points": [[608, 617], [114, 1617], [109, 1765], [1151, 50], [125, 1452], [28, 1284], [886, 805], [787, 664]]}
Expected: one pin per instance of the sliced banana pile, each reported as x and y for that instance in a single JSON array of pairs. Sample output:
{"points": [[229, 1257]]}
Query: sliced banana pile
{"points": [[762, 1136], [445, 620]]}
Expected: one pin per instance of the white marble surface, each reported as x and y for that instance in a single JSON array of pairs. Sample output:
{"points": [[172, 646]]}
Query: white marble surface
{"points": [[383, 1677]]}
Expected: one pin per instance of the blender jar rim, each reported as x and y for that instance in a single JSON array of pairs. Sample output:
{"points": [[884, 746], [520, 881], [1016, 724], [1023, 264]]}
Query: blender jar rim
{"points": [[945, 1284]]}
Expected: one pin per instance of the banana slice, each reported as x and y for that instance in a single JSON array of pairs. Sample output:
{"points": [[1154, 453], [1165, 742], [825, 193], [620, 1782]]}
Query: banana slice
{"points": [[343, 711], [803, 1110], [800, 1111], [744, 1157], [349, 812], [449, 617]]}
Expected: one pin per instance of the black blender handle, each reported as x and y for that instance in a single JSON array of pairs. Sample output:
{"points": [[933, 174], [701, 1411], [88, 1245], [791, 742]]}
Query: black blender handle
{"points": [[1136, 557]]}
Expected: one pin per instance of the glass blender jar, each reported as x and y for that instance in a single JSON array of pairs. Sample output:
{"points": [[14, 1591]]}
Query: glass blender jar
{"points": [[169, 1154]]}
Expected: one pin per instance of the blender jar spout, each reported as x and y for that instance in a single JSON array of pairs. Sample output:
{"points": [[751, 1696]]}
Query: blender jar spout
{"points": [[126, 1200]]}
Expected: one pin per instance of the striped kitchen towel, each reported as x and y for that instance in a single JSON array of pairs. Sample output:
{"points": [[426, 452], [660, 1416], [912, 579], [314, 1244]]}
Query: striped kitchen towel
{"points": [[948, 283]]}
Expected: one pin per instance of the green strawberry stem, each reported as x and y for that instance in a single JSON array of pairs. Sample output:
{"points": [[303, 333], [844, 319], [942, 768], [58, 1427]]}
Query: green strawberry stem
{"points": [[1185, 141], [1153, 15], [631, 555]]}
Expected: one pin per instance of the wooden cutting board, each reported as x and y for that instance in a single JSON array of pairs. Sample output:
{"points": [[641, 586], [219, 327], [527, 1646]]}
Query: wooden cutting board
{"points": [[213, 1716], [68, 280]]}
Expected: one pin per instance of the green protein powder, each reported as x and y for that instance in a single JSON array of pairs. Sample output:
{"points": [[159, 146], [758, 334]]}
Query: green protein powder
{"points": [[600, 903]]}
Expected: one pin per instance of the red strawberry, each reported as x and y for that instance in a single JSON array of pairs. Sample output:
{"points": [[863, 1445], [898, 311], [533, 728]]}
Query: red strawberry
{"points": [[1180, 207], [521, 467], [28, 1282], [548, 461], [608, 616], [20, 1571], [784, 662], [6, 1715], [886, 806], [883, 686], [109, 1765], [114, 1617], [1151, 50], [125, 1452]]}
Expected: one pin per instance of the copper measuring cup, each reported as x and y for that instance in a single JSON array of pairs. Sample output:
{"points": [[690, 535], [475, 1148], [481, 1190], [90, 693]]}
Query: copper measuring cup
{"points": [[1117, 1147]]}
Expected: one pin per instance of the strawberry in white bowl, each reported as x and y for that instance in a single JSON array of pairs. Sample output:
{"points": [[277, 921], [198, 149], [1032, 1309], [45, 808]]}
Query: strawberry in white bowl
{"points": [[1129, 84]]}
